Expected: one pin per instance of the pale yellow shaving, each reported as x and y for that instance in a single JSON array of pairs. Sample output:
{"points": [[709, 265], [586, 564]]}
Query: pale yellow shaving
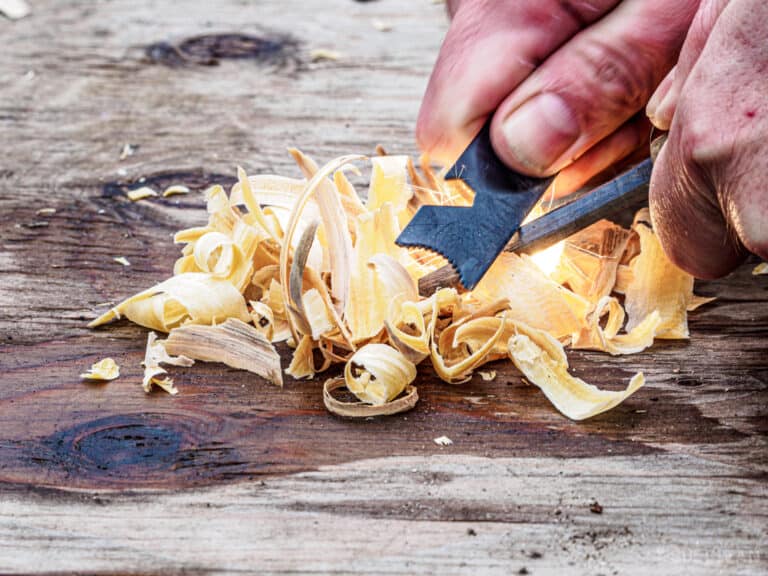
{"points": [[154, 355], [141, 193], [378, 373], [102, 371], [594, 337], [174, 190], [657, 284], [534, 298], [377, 277], [389, 184], [233, 343], [542, 361], [188, 298]]}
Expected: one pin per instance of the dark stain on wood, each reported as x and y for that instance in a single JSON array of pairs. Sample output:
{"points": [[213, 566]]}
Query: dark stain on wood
{"points": [[209, 49], [118, 443], [229, 426]]}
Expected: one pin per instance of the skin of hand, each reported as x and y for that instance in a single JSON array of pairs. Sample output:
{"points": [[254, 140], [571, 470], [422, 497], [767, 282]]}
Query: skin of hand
{"points": [[709, 189], [566, 80]]}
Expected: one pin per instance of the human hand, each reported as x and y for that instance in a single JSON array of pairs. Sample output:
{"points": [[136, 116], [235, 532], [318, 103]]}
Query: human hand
{"points": [[709, 189], [566, 78]]}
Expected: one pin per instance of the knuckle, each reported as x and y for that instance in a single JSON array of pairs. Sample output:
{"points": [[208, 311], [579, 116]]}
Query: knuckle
{"points": [[624, 77]]}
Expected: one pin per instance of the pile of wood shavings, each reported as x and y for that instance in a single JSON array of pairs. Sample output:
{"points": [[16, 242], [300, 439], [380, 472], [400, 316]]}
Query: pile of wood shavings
{"points": [[307, 261]]}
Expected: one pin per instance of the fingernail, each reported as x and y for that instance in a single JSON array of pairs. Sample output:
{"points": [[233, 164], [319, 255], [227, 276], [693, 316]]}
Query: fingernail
{"points": [[664, 111], [659, 94], [540, 131]]}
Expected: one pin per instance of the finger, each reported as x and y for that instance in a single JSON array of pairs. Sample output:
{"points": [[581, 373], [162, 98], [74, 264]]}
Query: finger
{"points": [[590, 86], [657, 97], [606, 153], [490, 48], [661, 107], [708, 191], [687, 216]]}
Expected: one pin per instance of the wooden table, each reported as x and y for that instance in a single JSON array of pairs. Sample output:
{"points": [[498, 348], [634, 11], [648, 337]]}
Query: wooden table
{"points": [[234, 474]]}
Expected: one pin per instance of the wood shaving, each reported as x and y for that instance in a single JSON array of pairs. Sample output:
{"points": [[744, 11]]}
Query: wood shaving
{"points": [[362, 410], [760, 269], [14, 9], [309, 262], [122, 260], [443, 441], [141, 193], [102, 371], [46, 212], [127, 150], [324, 54], [233, 343], [175, 190], [156, 375], [378, 373]]}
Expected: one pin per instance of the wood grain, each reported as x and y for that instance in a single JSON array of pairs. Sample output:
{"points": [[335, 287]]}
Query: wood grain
{"points": [[103, 478], [445, 514]]}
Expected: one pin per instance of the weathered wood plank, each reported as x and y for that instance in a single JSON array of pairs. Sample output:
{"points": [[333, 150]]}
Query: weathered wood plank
{"points": [[680, 467], [437, 515]]}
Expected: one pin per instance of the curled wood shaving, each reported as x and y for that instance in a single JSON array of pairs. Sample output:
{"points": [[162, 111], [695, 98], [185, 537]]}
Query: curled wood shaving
{"points": [[542, 361], [340, 245], [233, 343], [296, 277], [186, 298], [362, 410], [760, 269], [378, 373], [607, 339]]}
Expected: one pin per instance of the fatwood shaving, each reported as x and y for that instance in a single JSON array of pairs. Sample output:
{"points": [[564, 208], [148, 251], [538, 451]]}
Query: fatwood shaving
{"points": [[14, 9], [102, 371], [175, 190], [156, 375], [309, 262], [233, 343], [141, 193]]}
